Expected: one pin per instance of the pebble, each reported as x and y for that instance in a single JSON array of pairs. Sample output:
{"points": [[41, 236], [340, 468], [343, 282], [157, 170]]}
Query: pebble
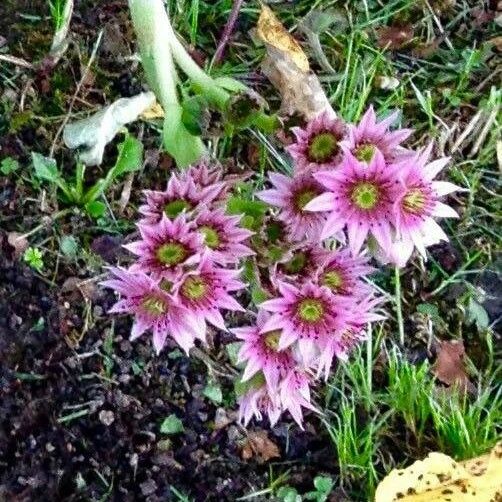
{"points": [[106, 417]]}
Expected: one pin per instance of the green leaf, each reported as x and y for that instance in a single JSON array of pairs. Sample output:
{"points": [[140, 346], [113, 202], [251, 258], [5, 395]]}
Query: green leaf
{"points": [[253, 211], [69, 246], [45, 168], [8, 166], [172, 425], [214, 393], [95, 208], [130, 156], [230, 84], [323, 484], [233, 351], [194, 115], [255, 382], [185, 148], [428, 309], [478, 315], [288, 494]]}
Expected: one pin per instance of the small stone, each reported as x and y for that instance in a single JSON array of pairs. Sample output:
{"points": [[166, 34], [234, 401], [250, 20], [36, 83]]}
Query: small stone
{"points": [[50, 447], [148, 487], [106, 417]]}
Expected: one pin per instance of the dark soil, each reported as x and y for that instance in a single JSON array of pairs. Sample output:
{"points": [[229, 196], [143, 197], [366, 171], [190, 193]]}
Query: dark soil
{"points": [[115, 447]]}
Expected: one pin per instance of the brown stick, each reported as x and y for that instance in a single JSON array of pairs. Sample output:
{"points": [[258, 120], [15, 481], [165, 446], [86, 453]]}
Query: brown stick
{"points": [[228, 30]]}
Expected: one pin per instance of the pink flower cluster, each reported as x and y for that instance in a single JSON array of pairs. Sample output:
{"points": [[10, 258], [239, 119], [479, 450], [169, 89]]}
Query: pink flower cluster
{"points": [[321, 309], [185, 273], [353, 183], [359, 179]]}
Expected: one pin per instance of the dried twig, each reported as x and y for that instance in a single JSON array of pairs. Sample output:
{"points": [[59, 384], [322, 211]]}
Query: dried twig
{"points": [[227, 31]]}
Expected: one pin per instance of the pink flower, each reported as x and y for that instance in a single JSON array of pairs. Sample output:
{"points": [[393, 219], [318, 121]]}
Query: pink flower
{"points": [[369, 136], [418, 205], [318, 145], [291, 195], [343, 273], [223, 236], [292, 395], [166, 247], [260, 352], [182, 195], [259, 400], [206, 175], [204, 290], [360, 198], [295, 394], [306, 315], [153, 309], [341, 342]]}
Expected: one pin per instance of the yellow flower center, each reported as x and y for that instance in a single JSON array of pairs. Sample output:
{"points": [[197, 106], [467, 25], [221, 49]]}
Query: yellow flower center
{"points": [[272, 339], [414, 201], [303, 197], [171, 253], [194, 288], [322, 147], [176, 207], [211, 236], [154, 305], [333, 280], [310, 310], [365, 195], [364, 152]]}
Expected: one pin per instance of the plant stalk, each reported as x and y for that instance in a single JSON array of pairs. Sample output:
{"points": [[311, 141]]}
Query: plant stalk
{"points": [[399, 311]]}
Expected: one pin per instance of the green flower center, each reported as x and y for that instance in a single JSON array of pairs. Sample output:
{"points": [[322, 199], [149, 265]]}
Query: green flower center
{"points": [[272, 339], [176, 207], [310, 310], [211, 237], [194, 288], [365, 195], [322, 147], [165, 285], [414, 201], [303, 197], [154, 305], [365, 152], [171, 253], [333, 280], [296, 264]]}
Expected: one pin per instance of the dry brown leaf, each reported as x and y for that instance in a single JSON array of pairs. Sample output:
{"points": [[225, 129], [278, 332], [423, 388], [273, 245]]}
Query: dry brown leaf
{"points": [[449, 367], [395, 37], [259, 445], [286, 66], [19, 242], [272, 32], [438, 478]]}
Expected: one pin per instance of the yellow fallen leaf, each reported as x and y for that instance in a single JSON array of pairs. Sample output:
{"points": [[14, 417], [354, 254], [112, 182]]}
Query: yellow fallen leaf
{"points": [[438, 478], [153, 112], [287, 67], [272, 32]]}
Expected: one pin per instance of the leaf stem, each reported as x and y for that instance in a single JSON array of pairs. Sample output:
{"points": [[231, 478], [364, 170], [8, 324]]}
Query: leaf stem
{"points": [[399, 311]]}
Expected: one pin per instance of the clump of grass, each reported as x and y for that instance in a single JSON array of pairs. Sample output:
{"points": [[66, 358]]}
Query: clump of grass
{"points": [[409, 391], [465, 427]]}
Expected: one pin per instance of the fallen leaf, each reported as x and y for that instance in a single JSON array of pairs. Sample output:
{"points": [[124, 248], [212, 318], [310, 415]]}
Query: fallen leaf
{"points": [[96, 131], [18, 242], [395, 37], [439, 478], [272, 32], [286, 66], [449, 367], [259, 445]]}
